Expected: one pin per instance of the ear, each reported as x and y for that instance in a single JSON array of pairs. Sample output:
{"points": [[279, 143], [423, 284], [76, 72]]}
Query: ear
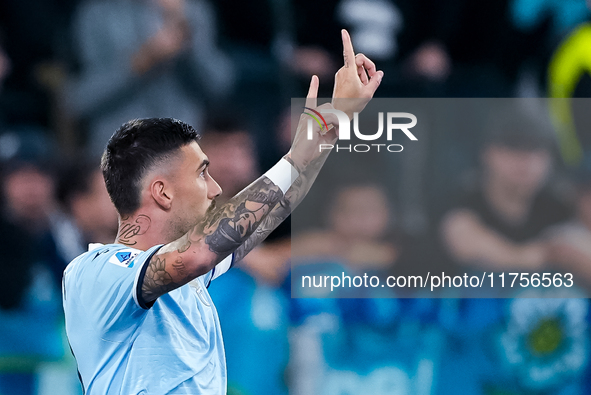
{"points": [[161, 192]]}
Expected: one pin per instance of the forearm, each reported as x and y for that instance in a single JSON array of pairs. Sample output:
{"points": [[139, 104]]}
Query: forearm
{"points": [[293, 197], [470, 241], [226, 228], [216, 236]]}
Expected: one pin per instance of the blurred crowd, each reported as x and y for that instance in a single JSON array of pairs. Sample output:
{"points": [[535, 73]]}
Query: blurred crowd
{"points": [[510, 196]]}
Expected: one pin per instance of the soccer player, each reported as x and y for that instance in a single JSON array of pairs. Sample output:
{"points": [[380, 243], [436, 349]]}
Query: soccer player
{"points": [[139, 318]]}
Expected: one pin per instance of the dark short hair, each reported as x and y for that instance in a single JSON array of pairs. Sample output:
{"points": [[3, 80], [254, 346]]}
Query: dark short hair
{"points": [[133, 149], [521, 132]]}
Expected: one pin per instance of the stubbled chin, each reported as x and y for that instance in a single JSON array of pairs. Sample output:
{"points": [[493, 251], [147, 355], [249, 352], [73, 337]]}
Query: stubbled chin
{"points": [[211, 208]]}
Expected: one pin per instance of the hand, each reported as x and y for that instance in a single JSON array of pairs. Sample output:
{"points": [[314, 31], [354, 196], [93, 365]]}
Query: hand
{"points": [[355, 82], [572, 252], [167, 43], [532, 255], [303, 151]]}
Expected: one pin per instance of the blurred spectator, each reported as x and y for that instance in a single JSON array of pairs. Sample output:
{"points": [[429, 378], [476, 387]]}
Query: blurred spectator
{"points": [[545, 22], [486, 49], [30, 203], [271, 63], [499, 223], [224, 138], [34, 32], [263, 36], [403, 36], [359, 218], [375, 26], [519, 346], [563, 15], [145, 59], [30, 329], [84, 195], [29, 312], [373, 345], [29, 193]]}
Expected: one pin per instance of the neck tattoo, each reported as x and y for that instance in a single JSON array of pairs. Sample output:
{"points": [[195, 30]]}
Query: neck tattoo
{"points": [[130, 228]]}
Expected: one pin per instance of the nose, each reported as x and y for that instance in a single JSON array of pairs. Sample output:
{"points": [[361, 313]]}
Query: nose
{"points": [[213, 189]]}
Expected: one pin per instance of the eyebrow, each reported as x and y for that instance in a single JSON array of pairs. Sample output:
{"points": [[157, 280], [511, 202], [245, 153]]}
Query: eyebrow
{"points": [[204, 163]]}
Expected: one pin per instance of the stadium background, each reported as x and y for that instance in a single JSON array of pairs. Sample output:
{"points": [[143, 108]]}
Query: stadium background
{"points": [[71, 71]]}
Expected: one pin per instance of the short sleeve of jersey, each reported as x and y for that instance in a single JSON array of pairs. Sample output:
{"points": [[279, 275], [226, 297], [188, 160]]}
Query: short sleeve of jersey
{"points": [[101, 288], [226, 264]]}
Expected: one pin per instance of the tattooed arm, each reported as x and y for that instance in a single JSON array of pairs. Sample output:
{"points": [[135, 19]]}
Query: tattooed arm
{"points": [[294, 195], [240, 234], [207, 243], [355, 84], [223, 231]]}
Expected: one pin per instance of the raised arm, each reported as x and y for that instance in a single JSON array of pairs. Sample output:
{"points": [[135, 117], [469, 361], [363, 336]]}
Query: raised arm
{"points": [[222, 230], [215, 237], [283, 208], [269, 199], [355, 84]]}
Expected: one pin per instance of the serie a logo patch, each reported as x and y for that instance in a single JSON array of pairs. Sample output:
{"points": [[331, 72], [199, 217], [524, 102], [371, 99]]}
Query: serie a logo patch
{"points": [[124, 258]]}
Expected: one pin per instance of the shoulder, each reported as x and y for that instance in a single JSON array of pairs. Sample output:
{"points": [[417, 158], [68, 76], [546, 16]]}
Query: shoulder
{"points": [[100, 252], [110, 257], [112, 269]]}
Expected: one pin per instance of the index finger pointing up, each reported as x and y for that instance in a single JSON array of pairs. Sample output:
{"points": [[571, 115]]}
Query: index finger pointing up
{"points": [[348, 52], [311, 101]]}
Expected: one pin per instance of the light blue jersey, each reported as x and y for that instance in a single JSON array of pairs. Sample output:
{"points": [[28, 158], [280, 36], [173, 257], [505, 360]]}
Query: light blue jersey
{"points": [[123, 347]]}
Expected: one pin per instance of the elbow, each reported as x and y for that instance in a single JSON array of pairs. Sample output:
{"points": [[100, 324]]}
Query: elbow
{"points": [[201, 268], [196, 263]]}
